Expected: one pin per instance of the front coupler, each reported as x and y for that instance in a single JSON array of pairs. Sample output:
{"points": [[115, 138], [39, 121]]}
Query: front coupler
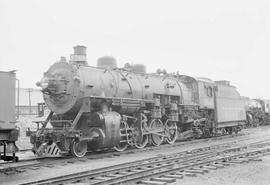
{"points": [[53, 142]]}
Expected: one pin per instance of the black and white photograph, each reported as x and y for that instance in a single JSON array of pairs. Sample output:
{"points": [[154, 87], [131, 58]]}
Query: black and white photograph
{"points": [[134, 92]]}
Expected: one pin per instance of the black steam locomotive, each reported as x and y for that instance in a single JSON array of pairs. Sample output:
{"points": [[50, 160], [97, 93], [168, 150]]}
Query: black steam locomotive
{"points": [[108, 107], [258, 112]]}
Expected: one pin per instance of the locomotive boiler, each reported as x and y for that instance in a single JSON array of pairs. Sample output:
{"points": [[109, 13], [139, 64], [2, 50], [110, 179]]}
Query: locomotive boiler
{"points": [[103, 107]]}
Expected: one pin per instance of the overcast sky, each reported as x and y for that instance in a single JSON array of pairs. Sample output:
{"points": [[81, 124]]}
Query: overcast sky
{"points": [[221, 40]]}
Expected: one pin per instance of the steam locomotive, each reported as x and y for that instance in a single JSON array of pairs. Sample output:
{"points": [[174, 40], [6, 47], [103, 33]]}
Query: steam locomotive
{"points": [[258, 112], [102, 107]]}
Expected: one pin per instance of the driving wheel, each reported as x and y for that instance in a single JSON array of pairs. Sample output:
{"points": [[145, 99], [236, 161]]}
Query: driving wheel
{"points": [[170, 132], [122, 146], [157, 126]]}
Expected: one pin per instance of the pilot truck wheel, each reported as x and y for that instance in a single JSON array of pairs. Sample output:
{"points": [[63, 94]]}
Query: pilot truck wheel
{"points": [[78, 148]]}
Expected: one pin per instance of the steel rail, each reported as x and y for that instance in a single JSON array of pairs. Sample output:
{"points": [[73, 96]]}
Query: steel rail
{"points": [[251, 155], [147, 165], [107, 153]]}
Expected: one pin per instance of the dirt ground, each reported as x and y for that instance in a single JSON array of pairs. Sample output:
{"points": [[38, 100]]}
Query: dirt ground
{"points": [[253, 173], [250, 173]]}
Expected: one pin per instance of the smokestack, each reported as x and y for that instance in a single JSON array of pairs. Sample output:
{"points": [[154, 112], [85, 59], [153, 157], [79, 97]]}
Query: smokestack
{"points": [[79, 56]]}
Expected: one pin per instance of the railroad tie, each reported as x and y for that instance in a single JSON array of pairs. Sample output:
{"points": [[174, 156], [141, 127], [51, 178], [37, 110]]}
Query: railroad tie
{"points": [[245, 159], [10, 172], [124, 173], [187, 164], [174, 176], [163, 179], [210, 167], [237, 161], [186, 174], [20, 170], [150, 182], [203, 169], [225, 163], [137, 170], [114, 175], [217, 165], [101, 178], [255, 159], [195, 171], [33, 168], [49, 165]]}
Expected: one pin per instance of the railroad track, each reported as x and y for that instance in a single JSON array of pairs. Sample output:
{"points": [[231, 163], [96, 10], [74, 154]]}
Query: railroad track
{"points": [[165, 169], [41, 163], [38, 162]]}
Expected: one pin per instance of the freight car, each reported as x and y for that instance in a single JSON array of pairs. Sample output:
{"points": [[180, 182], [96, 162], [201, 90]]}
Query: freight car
{"points": [[108, 107], [8, 132]]}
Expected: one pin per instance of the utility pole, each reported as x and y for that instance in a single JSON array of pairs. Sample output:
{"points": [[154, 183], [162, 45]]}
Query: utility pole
{"points": [[29, 96]]}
